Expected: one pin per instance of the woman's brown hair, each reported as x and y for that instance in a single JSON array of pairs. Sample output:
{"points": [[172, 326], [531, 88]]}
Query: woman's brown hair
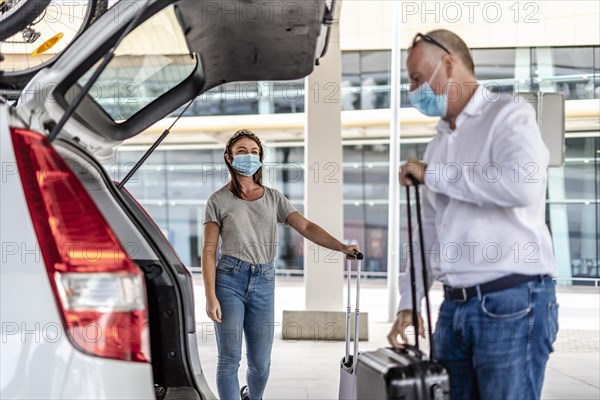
{"points": [[236, 188]]}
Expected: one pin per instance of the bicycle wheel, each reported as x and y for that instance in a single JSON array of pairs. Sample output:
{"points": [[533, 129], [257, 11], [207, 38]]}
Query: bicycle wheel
{"points": [[16, 15], [40, 42]]}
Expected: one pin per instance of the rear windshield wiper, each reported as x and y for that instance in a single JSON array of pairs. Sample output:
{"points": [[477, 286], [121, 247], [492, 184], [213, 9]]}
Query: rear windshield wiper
{"points": [[88, 86]]}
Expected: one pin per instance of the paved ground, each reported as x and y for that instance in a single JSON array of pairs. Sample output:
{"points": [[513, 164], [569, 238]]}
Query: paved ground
{"points": [[309, 369]]}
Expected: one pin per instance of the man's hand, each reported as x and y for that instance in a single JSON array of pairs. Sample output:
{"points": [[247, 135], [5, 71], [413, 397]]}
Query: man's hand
{"points": [[404, 320], [414, 168]]}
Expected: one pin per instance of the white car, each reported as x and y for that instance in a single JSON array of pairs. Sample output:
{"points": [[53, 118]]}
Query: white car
{"points": [[95, 303]]}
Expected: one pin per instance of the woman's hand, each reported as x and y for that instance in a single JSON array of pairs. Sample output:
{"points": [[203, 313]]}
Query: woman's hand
{"points": [[213, 309], [351, 251]]}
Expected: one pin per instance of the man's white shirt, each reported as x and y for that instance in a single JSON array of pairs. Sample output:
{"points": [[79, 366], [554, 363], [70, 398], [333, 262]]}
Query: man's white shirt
{"points": [[483, 202]]}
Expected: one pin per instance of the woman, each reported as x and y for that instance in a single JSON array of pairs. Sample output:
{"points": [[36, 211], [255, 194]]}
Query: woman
{"points": [[240, 287]]}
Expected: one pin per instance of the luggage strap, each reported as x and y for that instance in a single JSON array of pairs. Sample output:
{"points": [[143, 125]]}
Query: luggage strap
{"points": [[413, 283]]}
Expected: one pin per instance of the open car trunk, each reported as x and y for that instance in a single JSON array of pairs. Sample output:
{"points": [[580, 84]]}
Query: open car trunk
{"points": [[173, 52], [175, 360]]}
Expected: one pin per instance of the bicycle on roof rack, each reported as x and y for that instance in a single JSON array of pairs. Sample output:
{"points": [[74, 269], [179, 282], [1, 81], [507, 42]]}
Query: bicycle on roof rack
{"points": [[33, 33]]}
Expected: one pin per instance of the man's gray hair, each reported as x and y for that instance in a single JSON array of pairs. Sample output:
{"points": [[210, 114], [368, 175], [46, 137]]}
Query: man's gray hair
{"points": [[456, 46]]}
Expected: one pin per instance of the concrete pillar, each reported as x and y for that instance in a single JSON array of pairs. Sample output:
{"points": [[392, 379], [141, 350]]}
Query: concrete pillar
{"points": [[324, 315], [323, 178]]}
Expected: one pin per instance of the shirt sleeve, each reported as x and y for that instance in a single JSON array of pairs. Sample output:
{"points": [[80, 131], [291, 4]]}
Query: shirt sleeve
{"points": [[516, 177], [284, 207], [211, 211]]}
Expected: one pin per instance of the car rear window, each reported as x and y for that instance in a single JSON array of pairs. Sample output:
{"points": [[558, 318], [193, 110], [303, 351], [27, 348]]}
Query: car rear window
{"points": [[152, 59]]}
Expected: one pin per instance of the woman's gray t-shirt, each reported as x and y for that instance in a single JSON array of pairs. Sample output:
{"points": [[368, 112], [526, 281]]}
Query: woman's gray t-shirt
{"points": [[248, 228]]}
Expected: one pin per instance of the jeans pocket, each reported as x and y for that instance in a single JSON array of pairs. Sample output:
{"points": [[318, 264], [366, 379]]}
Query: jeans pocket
{"points": [[510, 303], [269, 274], [226, 266], [552, 322]]}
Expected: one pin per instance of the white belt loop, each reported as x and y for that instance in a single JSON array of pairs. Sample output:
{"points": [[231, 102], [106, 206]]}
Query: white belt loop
{"points": [[478, 288]]}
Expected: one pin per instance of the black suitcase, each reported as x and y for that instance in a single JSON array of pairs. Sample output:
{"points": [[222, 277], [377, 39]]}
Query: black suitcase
{"points": [[400, 374], [405, 373]]}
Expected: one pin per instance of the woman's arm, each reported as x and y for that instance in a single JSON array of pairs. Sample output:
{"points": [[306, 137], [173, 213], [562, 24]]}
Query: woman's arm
{"points": [[209, 269], [318, 235]]}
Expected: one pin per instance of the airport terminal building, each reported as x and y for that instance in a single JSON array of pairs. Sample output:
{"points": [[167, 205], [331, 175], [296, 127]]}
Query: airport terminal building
{"points": [[174, 184]]}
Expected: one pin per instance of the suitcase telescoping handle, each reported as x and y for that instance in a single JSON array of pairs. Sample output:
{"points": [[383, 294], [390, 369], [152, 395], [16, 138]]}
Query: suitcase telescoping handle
{"points": [[359, 258], [423, 268]]}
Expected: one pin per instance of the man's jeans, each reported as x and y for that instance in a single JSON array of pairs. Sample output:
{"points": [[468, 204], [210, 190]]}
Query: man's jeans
{"points": [[246, 293], [496, 346]]}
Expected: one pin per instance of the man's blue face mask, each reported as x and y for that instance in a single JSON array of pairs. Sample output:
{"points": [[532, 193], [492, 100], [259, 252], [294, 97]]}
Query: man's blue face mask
{"points": [[246, 164], [425, 100]]}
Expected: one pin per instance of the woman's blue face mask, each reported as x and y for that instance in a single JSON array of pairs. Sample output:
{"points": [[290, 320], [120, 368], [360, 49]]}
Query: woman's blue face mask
{"points": [[246, 164], [425, 100]]}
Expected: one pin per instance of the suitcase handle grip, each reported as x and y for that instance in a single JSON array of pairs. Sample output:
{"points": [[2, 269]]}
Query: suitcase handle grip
{"points": [[356, 256], [408, 348]]}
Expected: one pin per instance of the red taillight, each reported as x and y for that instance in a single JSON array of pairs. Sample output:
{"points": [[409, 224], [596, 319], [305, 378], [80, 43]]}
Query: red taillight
{"points": [[99, 289]]}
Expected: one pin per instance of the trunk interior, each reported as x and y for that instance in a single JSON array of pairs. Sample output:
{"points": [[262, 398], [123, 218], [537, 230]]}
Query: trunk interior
{"points": [[175, 360]]}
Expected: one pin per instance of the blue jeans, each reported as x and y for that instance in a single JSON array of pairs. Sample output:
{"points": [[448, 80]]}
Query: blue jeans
{"points": [[496, 346], [246, 293]]}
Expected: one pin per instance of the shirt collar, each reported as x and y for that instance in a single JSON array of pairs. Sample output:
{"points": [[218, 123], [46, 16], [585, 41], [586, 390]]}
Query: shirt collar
{"points": [[475, 104], [473, 108]]}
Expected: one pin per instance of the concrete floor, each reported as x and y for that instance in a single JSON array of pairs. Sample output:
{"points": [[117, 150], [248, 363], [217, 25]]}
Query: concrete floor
{"points": [[310, 369]]}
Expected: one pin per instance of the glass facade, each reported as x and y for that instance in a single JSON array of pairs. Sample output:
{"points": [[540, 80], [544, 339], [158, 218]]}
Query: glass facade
{"points": [[366, 77], [582, 191], [173, 186], [174, 183]]}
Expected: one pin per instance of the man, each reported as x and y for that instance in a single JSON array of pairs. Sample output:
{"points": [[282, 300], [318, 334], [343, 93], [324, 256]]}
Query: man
{"points": [[483, 188]]}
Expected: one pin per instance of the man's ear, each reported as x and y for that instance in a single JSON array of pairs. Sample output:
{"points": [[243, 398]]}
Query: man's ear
{"points": [[449, 62]]}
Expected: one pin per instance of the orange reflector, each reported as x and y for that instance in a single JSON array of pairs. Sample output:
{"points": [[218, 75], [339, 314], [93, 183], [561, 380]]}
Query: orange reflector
{"points": [[47, 45]]}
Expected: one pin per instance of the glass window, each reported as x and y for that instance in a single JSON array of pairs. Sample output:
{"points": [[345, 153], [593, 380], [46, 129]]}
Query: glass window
{"points": [[148, 183], [288, 96], [583, 239], [284, 171], [581, 168], [375, 79], [350, 80], [172, 187], [185, 230], [151, 60], [581, 188], [367, 225], [404, 81], [495, 68], [565, 69], [194, 174], [493, 64], [240, 98], [290, 253]]}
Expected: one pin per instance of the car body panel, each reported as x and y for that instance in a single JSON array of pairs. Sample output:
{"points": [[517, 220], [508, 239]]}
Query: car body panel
{"points": [[38, 360], [99, 378]]}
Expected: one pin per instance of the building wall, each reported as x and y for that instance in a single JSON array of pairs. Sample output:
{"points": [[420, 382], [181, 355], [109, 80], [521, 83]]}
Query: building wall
{"points": [[367, 25]]}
